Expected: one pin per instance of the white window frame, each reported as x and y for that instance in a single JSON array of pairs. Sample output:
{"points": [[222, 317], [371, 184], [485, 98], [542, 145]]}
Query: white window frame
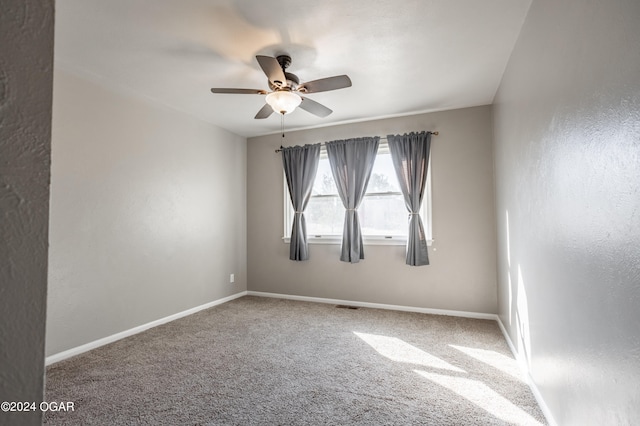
{"points": [[425, 214]]}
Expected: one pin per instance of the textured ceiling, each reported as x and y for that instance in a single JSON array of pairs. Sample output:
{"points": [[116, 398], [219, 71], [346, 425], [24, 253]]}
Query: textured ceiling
{"points": [[403, 57]]}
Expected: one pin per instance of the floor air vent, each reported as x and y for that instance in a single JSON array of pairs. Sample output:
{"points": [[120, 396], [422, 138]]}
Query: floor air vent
{"points": [[346, 307]]}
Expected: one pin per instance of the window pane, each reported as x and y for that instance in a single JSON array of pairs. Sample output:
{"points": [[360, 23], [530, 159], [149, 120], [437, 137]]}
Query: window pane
{"points": [[380, 215], [383, 176], [324, 216], [324, 183], [383, 215]]}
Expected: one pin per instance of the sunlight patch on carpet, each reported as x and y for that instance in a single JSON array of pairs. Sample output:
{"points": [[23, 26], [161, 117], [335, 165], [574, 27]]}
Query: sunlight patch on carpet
{"points": [[484, 397], [494, 359], [400, 351]]}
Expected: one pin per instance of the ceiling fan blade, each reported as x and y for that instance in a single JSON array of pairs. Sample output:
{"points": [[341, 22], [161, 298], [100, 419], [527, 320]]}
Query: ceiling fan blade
{"points": [[325, 84], [314, 107], [238, 91], [272, 69], [264, 112]]}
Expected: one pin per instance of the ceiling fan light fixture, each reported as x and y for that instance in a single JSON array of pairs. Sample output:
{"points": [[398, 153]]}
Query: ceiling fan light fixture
{"points": [[283, 102]]}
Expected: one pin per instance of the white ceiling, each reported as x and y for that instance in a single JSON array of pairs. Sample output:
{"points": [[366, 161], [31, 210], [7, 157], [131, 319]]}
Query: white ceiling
{"points": [[403, 56]]}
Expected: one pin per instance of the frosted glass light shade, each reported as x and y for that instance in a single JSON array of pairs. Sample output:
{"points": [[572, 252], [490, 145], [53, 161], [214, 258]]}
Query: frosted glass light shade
{"points": [[283, 102]]}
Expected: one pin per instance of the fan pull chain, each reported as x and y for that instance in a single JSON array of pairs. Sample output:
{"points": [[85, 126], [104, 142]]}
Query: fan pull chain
{"points": [[282, 124]]}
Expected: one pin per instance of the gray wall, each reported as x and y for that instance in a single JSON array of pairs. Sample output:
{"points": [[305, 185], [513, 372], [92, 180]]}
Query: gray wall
{"points": [[147, 213], [26, 37], [567, 147], [462, 274]]}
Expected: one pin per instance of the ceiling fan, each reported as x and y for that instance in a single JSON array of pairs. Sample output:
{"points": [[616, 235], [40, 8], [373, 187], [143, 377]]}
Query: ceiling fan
{"points": [[286, 89]]}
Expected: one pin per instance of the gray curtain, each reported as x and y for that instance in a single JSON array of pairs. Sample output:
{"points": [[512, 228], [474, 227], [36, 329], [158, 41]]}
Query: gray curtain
{"points": [[351, 163], [300, 166], [410, 154]]}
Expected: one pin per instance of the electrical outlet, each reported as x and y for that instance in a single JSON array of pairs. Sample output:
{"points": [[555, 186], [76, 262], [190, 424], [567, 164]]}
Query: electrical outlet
{"points": [[232, 278]]}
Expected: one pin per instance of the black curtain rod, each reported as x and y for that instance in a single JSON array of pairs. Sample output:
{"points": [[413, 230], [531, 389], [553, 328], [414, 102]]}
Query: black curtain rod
{"points": [[382, 138]]}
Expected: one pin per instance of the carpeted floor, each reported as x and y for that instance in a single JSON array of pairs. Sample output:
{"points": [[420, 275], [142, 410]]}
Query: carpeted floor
{"points": [[261, 361]]}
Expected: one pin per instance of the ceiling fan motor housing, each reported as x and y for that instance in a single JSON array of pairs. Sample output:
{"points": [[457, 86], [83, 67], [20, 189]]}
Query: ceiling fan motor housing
{"points": [[284, 61], [292, 80]]}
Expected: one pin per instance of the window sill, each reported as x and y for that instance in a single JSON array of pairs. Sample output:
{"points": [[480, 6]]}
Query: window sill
{"points": [[368, 241]]}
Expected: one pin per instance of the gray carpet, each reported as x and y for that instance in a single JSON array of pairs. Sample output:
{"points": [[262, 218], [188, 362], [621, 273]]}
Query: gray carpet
{"points": [[261, 361]]}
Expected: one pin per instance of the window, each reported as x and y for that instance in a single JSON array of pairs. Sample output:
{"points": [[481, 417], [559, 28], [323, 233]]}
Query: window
{"points": [[383, 215]]}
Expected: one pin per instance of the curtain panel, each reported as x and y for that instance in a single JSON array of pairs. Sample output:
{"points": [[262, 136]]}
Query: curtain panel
{"points": [[410, 156], [300, 165], [351, 162]]}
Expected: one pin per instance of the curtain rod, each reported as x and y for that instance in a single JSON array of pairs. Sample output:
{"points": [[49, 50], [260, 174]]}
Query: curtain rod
{"points": [[384, 138]]}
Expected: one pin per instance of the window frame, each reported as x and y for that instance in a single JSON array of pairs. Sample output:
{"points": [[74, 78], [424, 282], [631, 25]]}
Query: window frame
{"points": [[425, 214]]}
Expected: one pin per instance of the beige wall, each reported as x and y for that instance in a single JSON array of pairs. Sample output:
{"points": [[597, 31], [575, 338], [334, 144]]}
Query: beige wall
{"points": [[462, 274], [147, 213], [568, 206]]}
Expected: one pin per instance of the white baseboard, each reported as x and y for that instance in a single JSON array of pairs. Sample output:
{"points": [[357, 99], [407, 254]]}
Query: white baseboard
{"points": [[465, 314], [109, 339], [526, 374]]}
